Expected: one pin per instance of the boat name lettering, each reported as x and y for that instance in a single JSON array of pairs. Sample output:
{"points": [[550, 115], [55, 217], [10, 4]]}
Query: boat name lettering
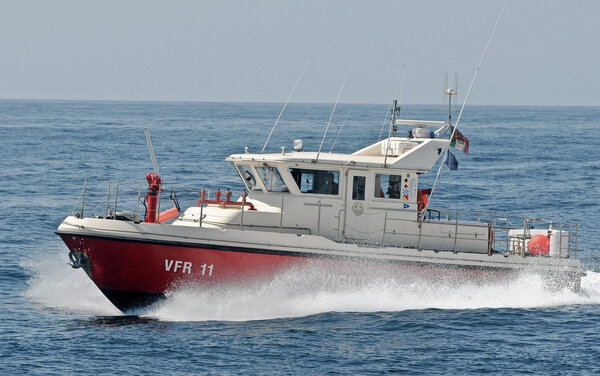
{"points": [[343, 281], [182, 266], [205, 268]]}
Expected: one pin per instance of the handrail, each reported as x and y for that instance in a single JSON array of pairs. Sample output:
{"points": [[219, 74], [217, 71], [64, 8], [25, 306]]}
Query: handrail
{"points": [[496, 228], [494, 232], [225, 203]]}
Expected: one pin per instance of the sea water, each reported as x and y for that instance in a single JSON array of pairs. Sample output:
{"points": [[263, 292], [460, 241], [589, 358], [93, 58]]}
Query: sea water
{"points": [[537, 161]]}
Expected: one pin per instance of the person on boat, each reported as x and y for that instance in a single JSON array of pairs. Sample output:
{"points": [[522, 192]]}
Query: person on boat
{"points": [[393, 191], [330, 187]]}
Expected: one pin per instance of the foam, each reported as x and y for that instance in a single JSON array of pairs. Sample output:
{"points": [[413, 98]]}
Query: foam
{"points": [[301, 292], [285, 297], [54, 284]]}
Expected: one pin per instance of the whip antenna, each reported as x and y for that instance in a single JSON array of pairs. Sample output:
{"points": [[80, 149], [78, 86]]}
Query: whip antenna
{"points": [[384, 121], [285, 105], [395, 108], [444, 91], [151, 149], [333, 112], [399, 82], [456, 88], [463, 105], [479, 67], [340, 131], [398, 106]]}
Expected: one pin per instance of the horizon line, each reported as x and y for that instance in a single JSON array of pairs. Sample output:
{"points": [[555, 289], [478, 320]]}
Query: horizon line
{"points": [[273, 102]]}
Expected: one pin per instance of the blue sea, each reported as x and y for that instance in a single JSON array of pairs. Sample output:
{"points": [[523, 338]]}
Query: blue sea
{"points": [[539, 161]]}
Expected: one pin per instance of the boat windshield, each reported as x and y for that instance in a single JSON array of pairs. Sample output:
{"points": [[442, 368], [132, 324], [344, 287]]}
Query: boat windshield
{"points": [[247, 175], [272, 179], [316, 181]]}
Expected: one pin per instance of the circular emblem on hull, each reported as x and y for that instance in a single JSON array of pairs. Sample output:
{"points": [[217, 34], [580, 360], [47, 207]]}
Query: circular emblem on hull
{"points": [[357, 208]]}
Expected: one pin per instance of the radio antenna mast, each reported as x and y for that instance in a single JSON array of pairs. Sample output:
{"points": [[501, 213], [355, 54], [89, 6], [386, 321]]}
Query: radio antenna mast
{"points": [[340, 131], [399, 82], [395, 108], [456, 88], [450, 92], [463, 106], [333, 112], [285, 105], [398, 100], [384, 122]]}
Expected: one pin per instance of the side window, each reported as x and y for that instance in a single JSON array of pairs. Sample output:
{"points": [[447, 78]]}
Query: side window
{"points": [[316, 181], [388, 186], [248, 177], [358, 188], [272, 179]]}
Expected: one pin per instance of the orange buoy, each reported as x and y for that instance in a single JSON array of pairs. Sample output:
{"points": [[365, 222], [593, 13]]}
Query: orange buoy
{"points": [[539, 245]]}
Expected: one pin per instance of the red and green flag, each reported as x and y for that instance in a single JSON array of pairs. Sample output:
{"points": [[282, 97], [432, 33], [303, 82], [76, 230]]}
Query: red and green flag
{"points": [[459, 141]]}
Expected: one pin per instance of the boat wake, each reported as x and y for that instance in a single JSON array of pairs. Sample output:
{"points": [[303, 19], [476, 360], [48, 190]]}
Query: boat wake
{"points": [[301, 292], [288, 296]]}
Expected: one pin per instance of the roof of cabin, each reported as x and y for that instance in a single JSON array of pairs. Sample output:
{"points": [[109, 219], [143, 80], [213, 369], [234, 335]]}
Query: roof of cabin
{"points": [[418, 154]]}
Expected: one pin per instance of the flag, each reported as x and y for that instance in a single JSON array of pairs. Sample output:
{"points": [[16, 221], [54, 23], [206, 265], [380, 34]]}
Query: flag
{"points": [[451, 161], [459, 141]]}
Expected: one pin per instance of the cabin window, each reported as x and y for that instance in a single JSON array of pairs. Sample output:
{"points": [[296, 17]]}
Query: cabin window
{"points": [[316, 181], [247, 175], [272, 179], [358, 187], [388, 186]]}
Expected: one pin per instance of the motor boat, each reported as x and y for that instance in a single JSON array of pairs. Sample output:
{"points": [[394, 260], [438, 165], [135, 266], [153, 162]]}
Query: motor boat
{"points": [[345, 212]]}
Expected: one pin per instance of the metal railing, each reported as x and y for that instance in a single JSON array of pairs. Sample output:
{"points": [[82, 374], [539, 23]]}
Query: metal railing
{"points": [[507, 233], [507, 228], [109, 203]]}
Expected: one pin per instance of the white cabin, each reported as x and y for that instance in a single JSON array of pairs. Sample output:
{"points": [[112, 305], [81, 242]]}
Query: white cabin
{"points": [[369, 197]]}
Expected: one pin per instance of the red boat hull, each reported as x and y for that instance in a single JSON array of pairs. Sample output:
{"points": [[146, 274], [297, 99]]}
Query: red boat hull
{"points": [[136, 273]]}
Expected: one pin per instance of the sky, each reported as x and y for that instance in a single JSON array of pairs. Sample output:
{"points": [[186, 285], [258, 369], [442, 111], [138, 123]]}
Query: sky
{"points": [[542, 53]]}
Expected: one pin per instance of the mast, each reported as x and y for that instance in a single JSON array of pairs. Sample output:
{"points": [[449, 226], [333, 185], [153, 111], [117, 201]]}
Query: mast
{"points": [[393, 129], [395, 108]]}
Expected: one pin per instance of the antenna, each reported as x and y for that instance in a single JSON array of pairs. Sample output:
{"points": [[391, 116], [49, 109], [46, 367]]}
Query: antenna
{"points": [[285, 105], [151, 149], [450, 92], [444, 91], [332, 112], [384, 122], [399, 82], [456, 87], [398, 107], [340, 131], [464, 103], [400, 78], [479, 66]]}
